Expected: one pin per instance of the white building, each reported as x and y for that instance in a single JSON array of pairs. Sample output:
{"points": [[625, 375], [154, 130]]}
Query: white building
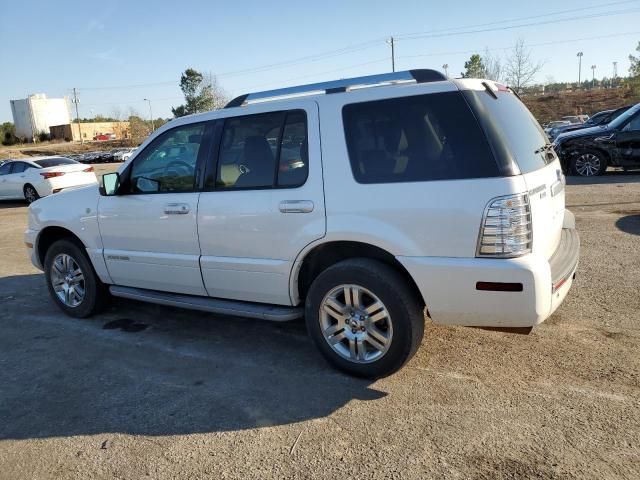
{"points": [[36, 113]]}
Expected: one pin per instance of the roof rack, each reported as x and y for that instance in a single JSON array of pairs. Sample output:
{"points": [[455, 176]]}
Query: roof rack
{"points": [[339, 86]]}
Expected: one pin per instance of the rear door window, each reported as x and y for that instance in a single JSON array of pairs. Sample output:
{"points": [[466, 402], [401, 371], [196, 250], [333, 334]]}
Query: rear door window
{"points": [[417, 138], [267, 150]]}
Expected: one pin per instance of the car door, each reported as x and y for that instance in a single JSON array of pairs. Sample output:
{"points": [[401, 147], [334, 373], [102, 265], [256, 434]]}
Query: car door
{"points": [[18, 179], [5, 177], [628, 142], [148, 229], [263, 202], [13, 183]]}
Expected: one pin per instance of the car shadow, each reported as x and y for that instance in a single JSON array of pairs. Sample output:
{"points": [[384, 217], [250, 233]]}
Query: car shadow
{"points": [[142, 369], [629, 224], [13, 204], [610, 177]]}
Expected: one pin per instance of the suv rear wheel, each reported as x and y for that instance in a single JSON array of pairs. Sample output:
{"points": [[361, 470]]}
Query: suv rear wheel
{"points": [[72, 282], [589, 163], [364, 318]]}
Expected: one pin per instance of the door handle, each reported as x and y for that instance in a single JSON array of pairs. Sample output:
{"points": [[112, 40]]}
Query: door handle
{"points": [[176, 209], [296, 206]]}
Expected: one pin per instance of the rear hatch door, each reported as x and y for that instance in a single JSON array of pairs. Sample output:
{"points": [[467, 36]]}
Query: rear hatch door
{"points": [[516, 134]]}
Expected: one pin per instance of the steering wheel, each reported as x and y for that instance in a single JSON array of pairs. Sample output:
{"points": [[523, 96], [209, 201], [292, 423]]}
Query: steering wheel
{"points": [[243, 169], [178, 164]]}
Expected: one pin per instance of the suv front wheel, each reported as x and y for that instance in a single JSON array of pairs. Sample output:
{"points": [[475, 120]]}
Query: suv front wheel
{"points": [[72, 282], [364, 318]]}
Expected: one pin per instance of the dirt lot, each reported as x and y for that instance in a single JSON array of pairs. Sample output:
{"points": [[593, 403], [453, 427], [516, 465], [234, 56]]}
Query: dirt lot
{"points": [[148, 392]]}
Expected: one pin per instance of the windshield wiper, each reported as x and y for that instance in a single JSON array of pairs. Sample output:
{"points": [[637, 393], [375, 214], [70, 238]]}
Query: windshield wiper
{"points": [[545, 148]]}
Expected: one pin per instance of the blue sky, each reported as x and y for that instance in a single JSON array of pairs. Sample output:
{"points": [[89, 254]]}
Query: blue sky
{"points": [[142, 47]]}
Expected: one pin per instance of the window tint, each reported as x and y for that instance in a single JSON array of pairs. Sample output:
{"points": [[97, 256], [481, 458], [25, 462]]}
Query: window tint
{"points": [[410, 139], [520, 131], [293, 165], [54, 162], [634, 124], [5, 169], [19, 167], [168, 164], [263, 151]]}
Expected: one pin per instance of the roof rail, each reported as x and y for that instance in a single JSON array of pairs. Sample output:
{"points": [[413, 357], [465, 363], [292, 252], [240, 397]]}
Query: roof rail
{"points": [[339, 86]]}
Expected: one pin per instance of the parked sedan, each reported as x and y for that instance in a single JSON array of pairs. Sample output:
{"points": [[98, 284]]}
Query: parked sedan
{"points": [[123, 154], [589, 151], [35, 178]]}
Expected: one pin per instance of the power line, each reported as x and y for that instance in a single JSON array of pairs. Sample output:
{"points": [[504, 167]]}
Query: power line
{"points": [[531, 45], [497, 22], [510, 27], [415, 36]]}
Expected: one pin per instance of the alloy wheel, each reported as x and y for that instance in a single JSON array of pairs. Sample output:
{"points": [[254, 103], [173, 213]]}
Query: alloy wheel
{"points": [[588, 165], [67, 280], [356, 324], [30, 194]]}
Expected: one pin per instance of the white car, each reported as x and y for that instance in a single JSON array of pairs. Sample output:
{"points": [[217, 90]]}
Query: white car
{"points": [[39, 177], [355, 203], [123, 154]]}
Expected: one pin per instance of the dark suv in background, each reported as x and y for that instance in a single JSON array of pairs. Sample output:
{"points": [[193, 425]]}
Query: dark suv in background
{"points": [[589, 151]]}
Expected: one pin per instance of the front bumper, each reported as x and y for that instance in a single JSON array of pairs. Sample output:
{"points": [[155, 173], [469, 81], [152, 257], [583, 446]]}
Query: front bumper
{"points": [[449, 286]]}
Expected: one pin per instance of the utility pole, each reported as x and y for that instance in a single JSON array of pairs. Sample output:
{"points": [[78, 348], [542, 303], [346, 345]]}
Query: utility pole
{"points": [[615, 70], [76, 101], [393, 54], [593, 79], [579, 55], [150, 115], [445, 67]]}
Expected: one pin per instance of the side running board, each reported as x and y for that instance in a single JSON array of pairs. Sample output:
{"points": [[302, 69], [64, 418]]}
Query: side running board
{"points": [[236, 308]]}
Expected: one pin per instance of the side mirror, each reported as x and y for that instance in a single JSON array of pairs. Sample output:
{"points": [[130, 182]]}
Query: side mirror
{"points": [[109, 184]]}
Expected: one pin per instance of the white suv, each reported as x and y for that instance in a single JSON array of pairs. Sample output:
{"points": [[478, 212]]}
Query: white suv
{"points": [[353, 203]]}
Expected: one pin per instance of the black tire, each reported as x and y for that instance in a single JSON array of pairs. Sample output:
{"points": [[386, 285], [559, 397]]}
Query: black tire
{"points": [[30, 194], [405, 311], [95, 292], [596, 159]]}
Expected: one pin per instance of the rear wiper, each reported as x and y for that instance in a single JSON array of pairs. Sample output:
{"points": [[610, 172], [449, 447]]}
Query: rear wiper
{"points": [[545, 148]]}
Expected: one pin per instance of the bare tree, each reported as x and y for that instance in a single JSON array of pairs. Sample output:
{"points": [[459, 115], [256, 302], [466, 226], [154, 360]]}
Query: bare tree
{"points": [[520, 68], [492, 66], [116, 113]]}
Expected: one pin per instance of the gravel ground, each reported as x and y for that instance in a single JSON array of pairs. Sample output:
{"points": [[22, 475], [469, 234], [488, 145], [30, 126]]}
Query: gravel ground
{"points": [[148, 392]]}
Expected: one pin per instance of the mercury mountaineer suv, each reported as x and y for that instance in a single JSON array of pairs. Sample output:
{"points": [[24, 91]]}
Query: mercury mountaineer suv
{"points": [[361, 204]]}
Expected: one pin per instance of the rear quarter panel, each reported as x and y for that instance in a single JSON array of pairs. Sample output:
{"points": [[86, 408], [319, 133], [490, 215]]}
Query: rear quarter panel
{"points": [[434, 218]]}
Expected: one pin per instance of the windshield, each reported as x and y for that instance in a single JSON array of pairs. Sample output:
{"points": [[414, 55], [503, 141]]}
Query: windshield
{"points": [[621, 120], [519, 130], [54, 162]]}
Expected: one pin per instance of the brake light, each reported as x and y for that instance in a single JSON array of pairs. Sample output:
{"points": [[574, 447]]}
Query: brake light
{"points": [[51, 174], [506, 228], [88, 169]]}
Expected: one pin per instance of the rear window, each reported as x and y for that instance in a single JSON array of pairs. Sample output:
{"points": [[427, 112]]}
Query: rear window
{"points": [[54, 162], [417, 138], [516, 127]]}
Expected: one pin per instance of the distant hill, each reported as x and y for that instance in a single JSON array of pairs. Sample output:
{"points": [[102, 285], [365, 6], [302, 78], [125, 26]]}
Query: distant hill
{"points": [[555, 105]]}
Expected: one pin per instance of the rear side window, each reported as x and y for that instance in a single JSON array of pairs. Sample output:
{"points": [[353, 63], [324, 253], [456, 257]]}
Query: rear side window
{"points": [[518, 128], [5, 169], [54, 162], [418, 138], [263, 151], [19, 167]]}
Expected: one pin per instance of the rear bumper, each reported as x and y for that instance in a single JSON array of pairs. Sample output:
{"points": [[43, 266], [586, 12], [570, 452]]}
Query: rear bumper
{"points": [[449, 286]]}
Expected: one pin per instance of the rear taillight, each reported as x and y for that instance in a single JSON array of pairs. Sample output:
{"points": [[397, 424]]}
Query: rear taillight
{"points": [[89, 169], [506, 228], [51, 174]]}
